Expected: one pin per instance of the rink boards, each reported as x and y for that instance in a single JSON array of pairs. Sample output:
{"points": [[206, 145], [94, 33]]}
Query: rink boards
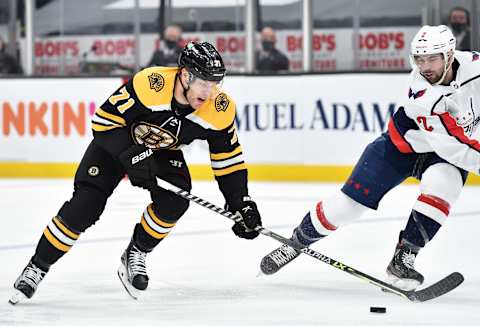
{"points": [[292, 128]]}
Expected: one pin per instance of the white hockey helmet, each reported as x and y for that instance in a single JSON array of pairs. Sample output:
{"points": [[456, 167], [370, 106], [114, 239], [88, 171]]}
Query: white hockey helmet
{"points": [[434, 40]]}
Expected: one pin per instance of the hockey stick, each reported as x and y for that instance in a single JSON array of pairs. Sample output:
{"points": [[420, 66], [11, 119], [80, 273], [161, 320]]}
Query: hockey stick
{"points": [[443, 286]]}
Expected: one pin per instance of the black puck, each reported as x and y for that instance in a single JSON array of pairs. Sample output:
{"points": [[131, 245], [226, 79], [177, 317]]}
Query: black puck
{"points": [[380, 310]]}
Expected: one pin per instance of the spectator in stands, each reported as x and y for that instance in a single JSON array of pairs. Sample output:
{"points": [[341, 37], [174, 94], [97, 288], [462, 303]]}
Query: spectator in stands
{"points": [[459, 23], [269, 58], [167, 53], [8, 64]]}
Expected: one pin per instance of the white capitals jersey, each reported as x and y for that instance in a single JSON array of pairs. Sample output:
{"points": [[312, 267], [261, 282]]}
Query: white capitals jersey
{"points": [[442, 119]]}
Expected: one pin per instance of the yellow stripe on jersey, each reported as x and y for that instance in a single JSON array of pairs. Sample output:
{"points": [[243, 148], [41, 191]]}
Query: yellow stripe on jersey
{"points": [[223, 156], [103, 114], [56, 243], [98, 127], [218, 112], [64, 229], [156, 219], [231, 169], [154, 86]]}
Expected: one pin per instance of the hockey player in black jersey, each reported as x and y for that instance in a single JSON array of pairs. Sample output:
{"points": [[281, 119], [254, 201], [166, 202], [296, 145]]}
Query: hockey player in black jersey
{"points": [[139, 131]]}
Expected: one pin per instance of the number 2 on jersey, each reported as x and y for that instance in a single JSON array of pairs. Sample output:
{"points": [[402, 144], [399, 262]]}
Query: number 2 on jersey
{"points": [[423, 120], [123, 96]]}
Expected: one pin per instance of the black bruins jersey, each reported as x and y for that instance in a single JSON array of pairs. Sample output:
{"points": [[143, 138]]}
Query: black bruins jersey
{"points": [[142, 108]]}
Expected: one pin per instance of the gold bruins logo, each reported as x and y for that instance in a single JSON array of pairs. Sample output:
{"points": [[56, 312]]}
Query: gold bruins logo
{"points": [[221, 102], [156, 81], [153, 136]]}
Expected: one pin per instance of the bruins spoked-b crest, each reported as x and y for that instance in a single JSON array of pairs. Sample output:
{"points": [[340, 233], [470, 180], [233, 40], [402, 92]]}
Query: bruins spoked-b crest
{"points": [[153, 136], [221, 102], [156, 81], [93, 171]]}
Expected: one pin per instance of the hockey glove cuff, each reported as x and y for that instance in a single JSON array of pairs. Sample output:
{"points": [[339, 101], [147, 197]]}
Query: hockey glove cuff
{"points": [[248, 211], [139, 165]]}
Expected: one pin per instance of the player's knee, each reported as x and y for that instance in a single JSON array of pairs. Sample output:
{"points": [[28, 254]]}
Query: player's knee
{"points": [[170, 208], [442, 180], [84, 208], [340, 209]]}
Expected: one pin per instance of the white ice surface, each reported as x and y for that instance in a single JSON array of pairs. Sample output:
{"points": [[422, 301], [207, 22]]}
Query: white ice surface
{"points": [[203, 275]]}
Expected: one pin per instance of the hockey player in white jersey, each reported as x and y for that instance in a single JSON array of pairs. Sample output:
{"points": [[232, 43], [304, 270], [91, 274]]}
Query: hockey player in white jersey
{"points": [[429, 138]]}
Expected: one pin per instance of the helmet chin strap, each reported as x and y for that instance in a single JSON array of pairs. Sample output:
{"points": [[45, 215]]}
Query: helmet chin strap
{"points": [[448, 63], [191, 78]]}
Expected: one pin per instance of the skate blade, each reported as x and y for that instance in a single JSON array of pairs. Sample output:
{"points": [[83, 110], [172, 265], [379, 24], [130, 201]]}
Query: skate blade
{"points": [[260, 274], [405, 284], [122, 275], [17, 297]]}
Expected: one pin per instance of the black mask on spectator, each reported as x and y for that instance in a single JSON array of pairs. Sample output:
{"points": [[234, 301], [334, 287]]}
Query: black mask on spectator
{"points": [[267, 45], [170, 44], [459, 27]]}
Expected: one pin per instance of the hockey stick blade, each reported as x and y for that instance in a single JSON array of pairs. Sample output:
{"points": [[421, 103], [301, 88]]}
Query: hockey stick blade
{"points": [[431, 292]]}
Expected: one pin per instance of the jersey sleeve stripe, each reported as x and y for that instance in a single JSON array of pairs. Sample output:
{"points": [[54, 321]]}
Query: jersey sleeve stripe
{"points": [[227, 155], [457, 132], [98, 127], [226, 163], [103, 121], [397, 138], [239, 154], [103, 114], [228, 170]]}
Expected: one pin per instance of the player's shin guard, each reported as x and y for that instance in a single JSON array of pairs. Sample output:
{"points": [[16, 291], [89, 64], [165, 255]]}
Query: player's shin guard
{"points": [[151, 230], [428, 215], [56, 241]]}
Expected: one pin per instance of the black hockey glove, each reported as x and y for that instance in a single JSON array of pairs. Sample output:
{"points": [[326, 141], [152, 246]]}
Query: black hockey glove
{"points": [[140, 166], [248, 210]]}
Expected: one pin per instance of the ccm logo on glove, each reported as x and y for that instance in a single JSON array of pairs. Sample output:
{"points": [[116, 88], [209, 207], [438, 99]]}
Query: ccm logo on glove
{"points": [[143, 155]]}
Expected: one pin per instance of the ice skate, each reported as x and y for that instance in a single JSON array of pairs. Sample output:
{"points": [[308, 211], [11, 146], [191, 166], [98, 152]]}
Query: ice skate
{"points": [[133, 271], [278, 258], [27, 283], [400, 271]]}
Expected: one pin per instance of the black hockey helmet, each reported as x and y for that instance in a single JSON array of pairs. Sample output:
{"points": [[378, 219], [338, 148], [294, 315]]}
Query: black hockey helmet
{"points": [[203, 61]]}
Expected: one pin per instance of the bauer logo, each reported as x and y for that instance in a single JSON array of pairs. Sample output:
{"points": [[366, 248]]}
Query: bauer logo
{"points": [[140, 157]]}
